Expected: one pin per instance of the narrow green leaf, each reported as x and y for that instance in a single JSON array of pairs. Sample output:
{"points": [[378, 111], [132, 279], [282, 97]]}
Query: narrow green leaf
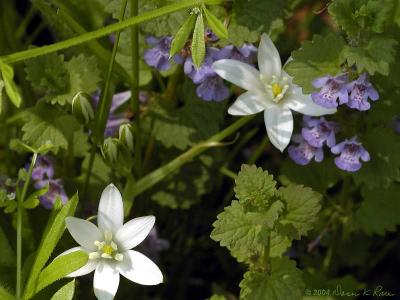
{"points": [[52, 234], [7, 73], [198, 44], [38, 193], [182, 35], [1, 94], [61, 267], [66, 292], [216, 25], [6, 295]]}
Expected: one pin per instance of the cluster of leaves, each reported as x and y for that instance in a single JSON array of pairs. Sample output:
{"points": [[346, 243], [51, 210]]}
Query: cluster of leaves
{"points": [[260, 226]]}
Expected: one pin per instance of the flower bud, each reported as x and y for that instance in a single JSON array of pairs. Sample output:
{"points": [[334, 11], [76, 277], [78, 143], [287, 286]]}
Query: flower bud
{"points": [[110, 149], [126, 136], [82, 107]]}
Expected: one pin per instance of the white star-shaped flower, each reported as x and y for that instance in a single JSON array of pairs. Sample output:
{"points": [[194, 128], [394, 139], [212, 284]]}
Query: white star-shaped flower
{"points": [[269, 89], [109, 244]]}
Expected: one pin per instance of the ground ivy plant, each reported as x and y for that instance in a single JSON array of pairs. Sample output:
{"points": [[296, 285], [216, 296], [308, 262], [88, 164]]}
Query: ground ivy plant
{"points": [[251, 144]]}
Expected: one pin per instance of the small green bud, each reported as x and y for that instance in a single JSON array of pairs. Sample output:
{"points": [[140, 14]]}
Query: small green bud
{"points": [[110, 149], [126, 136], [82, 107]]}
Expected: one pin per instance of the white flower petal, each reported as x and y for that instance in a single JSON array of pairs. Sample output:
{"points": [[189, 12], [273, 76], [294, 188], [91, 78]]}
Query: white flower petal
{"points": [[86, 269], [134, 232], [83, 232], [279, 124], [248, 103], [111, 210], [105, 281], [302, 103], [139, 268], [239, 73], [269, 60]]}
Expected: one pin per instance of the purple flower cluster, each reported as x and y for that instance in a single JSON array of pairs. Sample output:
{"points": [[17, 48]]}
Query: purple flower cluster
{"points": [[42, 175], [317, 133], [354, 94], [210, 87]]}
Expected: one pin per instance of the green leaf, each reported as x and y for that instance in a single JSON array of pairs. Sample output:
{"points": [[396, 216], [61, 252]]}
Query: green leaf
{"points": [[1, 94], [48, 125], [257, 14], [66, 292], [7, 255], [182, 35], [61, 267], [5, 294], [217, 297], [374, 57], [32, 201], [216, 25], [60, 81], [302, 207], [283, 283], [244, 234], [379, 212], [198, 44], [7, 73], [51, 235], [384, 165], [355, 16], [316, 58], [238, 35], [254, 187], [180, 127]]}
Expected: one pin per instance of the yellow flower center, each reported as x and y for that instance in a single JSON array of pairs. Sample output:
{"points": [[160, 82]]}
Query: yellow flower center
{"points": [[276, 89], [107, 249]]}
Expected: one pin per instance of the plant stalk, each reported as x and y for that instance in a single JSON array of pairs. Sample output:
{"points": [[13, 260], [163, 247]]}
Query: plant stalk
{"points": [[20, 200]]}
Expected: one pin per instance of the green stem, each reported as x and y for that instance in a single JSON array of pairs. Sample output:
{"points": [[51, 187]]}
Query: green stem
{"points": [[25, 22], [20, 200], [104, 105], [134, 6], [225, 171], [259, 151], [156, 176], [22, 55]]}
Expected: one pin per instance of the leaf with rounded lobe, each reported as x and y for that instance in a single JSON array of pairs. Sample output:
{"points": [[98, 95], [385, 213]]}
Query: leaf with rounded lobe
{"points": [[284, 282], [7, 73]]}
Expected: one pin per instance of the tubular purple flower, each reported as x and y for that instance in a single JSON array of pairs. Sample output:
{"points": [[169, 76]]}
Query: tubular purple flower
{"points": [[44, 168], [332, 88], [304, 152], [360, 90], [212, 89], [158, 56], [246, 53], [351, 151], [56, 189], [319, 131]]}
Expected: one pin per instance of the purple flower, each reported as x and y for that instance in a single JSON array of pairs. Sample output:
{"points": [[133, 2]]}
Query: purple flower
{"points": [[304, 152], [56, 189], [198, 75], [396, 125], [246, 53], [44, 168], [115, 120], [319, 131], [211, 36], [360, 90], [158, 56], [212, 88], [350, 153], [332, 88]]}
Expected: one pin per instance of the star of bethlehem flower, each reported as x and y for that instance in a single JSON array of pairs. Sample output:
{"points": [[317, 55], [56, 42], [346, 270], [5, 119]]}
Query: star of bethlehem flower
{"points": [[269, 89], [109, 246]]}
